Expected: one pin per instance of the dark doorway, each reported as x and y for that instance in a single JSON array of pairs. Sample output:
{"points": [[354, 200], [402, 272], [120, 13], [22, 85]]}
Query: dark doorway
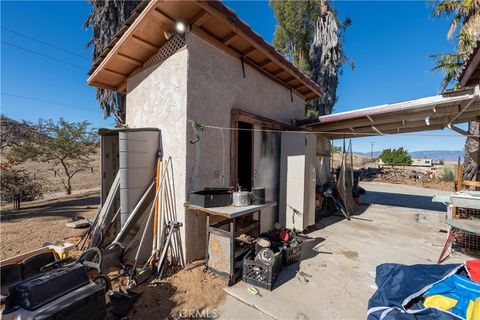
{"points": [[245, 155]]}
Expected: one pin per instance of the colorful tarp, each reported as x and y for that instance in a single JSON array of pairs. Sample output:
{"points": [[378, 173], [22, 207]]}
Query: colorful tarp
{"points": [[401, 288]]}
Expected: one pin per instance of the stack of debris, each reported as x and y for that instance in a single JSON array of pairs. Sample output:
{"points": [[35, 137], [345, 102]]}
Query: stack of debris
{"points": [[273, 249]]}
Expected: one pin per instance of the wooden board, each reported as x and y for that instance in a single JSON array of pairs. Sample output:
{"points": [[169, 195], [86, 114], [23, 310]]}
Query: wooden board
{"points": [[472, 226], [231, 211]]}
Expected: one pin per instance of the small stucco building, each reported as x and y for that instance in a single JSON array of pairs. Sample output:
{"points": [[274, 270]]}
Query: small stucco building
{"points": [[217, 73]]}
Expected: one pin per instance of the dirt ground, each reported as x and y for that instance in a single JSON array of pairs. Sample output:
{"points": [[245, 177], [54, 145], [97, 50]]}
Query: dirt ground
{"points": [[43, 221], [429, 184], [183, 292], [400, 175], [52, 182]]}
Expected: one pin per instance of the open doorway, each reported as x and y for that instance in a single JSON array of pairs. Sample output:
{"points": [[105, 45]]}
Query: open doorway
{"points": [[245, 155]]}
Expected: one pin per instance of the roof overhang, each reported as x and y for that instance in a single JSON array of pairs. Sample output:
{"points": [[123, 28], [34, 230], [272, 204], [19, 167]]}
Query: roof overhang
{"points": [[212, 21], [430, 113], [471, 73]]}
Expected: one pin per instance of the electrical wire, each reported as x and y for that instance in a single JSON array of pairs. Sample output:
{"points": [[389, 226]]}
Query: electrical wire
{"points": [[223, 158], [47, 101], [336, 132], [44, 43], [43, 55]]}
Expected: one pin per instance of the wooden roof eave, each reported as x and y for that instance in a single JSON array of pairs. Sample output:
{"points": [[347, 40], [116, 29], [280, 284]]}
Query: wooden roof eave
{"points": [[287, 76], [213, 8], [472, 68], [114, 51]]}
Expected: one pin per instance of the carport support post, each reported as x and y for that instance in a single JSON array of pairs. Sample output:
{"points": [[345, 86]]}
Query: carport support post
{"points": [[478, 154]]}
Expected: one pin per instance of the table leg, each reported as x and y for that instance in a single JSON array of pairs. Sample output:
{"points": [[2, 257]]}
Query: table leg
{"points": [[206, 242], [448, 243], [232, 250]]}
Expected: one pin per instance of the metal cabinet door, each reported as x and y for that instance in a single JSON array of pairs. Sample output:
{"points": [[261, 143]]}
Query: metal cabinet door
{"points": [[297, 181]]}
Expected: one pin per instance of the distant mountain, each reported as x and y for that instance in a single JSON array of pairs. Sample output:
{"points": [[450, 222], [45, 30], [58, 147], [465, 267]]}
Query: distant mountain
{"points": [[446, 155], [368, 154]]}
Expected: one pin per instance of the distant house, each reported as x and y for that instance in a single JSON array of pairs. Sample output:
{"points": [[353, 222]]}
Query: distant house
{"points": [[422, 162]]}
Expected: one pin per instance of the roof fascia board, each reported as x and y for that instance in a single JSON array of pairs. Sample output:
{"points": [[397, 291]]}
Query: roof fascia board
{"points": [[151, 6], [472, 66], [399, 106]]}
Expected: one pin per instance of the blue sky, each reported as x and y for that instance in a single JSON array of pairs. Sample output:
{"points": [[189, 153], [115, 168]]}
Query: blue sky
{"points": [[390, 43]]}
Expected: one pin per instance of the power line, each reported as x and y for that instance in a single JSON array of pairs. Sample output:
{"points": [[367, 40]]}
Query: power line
{"points": [[47, 101], [44, 43], [44, 55]]}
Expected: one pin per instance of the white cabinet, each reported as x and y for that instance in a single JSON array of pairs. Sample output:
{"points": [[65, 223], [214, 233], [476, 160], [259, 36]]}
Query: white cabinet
{"points": [[297, 180]]}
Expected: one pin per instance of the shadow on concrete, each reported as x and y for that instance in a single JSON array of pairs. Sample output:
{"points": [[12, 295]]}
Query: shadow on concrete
{"points": [[66, 208], [402, 200], [310, 249], [286, 274]]}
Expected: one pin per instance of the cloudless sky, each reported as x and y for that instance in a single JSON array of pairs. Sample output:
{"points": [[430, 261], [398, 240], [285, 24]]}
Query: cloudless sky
{"points": [[390, 43]]}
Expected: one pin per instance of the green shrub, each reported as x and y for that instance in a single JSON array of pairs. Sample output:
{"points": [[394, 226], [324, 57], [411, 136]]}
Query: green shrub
{"points": [[446, 175], [396, 157], [18, 181]]}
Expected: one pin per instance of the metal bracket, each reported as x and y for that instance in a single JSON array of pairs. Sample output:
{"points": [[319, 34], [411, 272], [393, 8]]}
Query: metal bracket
{"points": [[243, 67]]}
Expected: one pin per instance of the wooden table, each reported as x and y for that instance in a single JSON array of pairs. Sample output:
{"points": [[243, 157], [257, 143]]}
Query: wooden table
{"points": [[220, 237]]}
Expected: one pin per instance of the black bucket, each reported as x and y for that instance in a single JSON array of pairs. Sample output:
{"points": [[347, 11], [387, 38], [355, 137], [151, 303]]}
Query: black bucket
{"points": [[258, 195]]}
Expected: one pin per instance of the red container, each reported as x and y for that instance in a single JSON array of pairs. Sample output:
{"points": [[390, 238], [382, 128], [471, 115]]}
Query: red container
{"points": [[474, 269]]}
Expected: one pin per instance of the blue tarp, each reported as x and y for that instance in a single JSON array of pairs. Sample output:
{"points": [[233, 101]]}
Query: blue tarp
{"points": [[400, 288]]}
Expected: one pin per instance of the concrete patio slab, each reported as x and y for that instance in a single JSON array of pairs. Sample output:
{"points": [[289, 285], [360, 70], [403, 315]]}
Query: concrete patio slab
{"points": [[341, 257], [235, 309]]}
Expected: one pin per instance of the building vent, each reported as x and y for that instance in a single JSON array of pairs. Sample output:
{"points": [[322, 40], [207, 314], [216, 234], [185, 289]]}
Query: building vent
{"points": [[175, 43]]}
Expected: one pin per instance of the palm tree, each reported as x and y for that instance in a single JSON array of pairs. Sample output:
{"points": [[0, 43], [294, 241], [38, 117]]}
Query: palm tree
{"points": [[466, 14], [450, 65], [326, 56], [106, 18]]}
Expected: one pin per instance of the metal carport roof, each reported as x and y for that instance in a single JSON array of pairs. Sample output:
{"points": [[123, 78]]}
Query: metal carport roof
{"points": [[424, 114]]}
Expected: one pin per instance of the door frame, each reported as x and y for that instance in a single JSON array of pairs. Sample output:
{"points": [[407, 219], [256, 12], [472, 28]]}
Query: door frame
{"points": [[237, 116]]}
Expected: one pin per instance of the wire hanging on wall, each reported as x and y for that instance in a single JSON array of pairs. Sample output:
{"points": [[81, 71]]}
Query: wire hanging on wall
{"points": [[197, 129]]}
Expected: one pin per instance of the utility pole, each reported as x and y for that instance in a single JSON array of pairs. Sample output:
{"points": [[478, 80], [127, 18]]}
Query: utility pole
{"points": [[371, 152]]}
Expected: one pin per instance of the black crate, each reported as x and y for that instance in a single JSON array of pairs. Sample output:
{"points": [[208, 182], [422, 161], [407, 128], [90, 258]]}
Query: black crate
{"points": [[292, 254], [260, 274], [211, 197]]}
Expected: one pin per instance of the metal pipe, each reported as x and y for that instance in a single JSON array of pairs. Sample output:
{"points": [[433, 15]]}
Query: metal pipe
{"points": [[155, 218], [144, 235]]}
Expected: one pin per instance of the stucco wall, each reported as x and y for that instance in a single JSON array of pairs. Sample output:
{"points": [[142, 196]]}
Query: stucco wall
{"points": [[201, 84], [215, 86], [157, 97]]}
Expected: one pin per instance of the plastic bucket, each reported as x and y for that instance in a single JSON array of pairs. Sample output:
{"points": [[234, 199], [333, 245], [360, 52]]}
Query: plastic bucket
{"points": [[474, 269]]}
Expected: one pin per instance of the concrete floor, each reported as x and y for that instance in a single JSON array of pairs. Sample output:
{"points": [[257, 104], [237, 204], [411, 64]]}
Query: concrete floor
{"points": [[341, 257]]}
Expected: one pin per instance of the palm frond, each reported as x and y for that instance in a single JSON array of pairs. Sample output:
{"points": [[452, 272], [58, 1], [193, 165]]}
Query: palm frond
{"points": [[454, 25], [445, 7], [450, 65]]}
